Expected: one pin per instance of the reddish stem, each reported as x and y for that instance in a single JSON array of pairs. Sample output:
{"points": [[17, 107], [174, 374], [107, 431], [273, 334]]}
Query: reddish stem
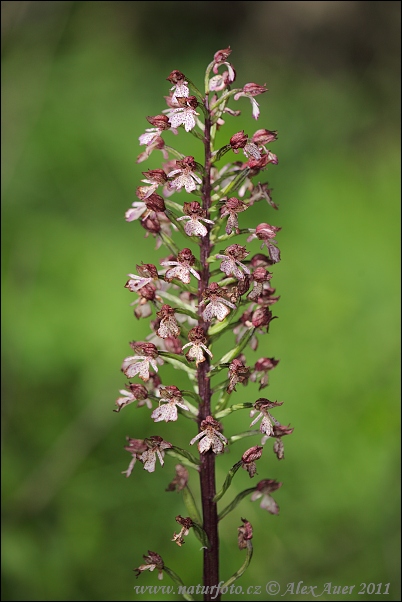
{"points": [[207, 469]]}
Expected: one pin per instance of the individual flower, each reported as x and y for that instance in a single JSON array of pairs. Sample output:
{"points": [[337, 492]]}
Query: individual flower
{"points": [[266, 234], [183, 267], [261, 370], [245, 534], [160, 123], [230, 209], [231, 264], [184, 113], [220, 59], [249, 91], [153, 203], [197, 346], [217, 307], [280, 431], [249, 459], [156, 448], [186, 524], [262, 406], [152, 137], [180, 480], [147, 296], [136, 448], [219, 82], [260, 277], [148, 274], [152, 561], [168, 326], [168, 411], [195, 214], [238, 373], [263, 137], [145, 356], [135, 392], [238, 140], [180, 86], [263, 490], [154, 177], [261, 191], [185, 175], [210, 437], [234, 291]]}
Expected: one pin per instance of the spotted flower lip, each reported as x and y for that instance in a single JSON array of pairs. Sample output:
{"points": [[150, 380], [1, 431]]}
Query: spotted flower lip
{"points": [[210, 436], [152, 561], [182, 267], [171, 397], [184, 175], [184, 114], [156, 449], [217, 307], [195, 214], [140, 363], [180, 86], [231, 264], [267, 423]]}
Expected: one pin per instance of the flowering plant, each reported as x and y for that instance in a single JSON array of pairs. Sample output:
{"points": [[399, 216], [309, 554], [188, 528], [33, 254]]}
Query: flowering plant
{"points": [[195, 298]]}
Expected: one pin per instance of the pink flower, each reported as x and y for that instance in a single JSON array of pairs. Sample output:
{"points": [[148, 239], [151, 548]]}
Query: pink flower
{"points": [[197, 346], [135, 447], [184, 113], [168, 412], [152, 561], [183, 267], [168, 326], [210, 436], [231, 264], [139, 207], [264, 488], [231, 208], [135, 393], [195, 214], [262, 405], [266, 233], [156, 448], [218, 307], [180, 85], [249, 459], [154, 177], [152, 137], [220, 59], [261, 370], [249, 91], [141, 362], [185, 175], [148, 274], [186, 524]]}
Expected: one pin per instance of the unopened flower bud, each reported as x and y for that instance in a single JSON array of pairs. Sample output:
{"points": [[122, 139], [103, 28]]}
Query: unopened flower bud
{"points": [[238, 140], [161, 122], [261, 317], [262, 137], [155, 203]]}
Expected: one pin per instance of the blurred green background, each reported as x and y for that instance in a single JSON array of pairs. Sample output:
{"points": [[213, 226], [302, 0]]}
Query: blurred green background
{"points": [[78, 79]]}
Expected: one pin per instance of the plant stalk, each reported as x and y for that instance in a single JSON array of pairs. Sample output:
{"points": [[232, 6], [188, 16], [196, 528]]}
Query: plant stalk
{"points": [[207, 468]]}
